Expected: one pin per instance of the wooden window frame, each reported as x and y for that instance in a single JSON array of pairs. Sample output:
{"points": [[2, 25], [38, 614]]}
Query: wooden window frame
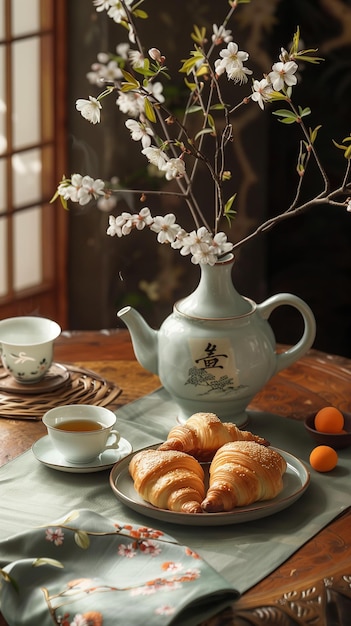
{"points": [[49, 298]]}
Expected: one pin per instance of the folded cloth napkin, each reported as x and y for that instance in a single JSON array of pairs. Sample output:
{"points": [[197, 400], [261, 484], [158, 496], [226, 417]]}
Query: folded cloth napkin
{"points": [[89, 570]]}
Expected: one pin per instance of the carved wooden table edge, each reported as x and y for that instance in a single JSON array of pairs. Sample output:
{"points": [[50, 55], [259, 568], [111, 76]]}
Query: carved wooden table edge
{"points": [[321, 603]]}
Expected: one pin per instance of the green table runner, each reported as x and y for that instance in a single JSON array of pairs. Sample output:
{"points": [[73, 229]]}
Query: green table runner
{"points": [[32, 494]]}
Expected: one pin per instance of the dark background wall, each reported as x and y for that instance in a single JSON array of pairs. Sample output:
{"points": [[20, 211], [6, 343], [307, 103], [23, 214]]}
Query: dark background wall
{"points": [[307, 256]]}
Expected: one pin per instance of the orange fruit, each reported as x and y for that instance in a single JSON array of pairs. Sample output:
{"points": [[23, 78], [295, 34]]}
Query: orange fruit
{"points": [[329, 420], [323, 458]]}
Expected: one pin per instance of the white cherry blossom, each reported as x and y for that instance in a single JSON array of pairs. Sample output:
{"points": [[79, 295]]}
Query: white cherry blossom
{"points": [[220, 244], [174, 168], [156, 90], [113, 229], [103, 57], [89, 109], [130, 103], [107, 203], [104, 72], [124, 224], [110, 72], [166, 228], [232, 60], [199, 239], [221, 35], [136, 58], [262, 90], [205, 256], [123, 50], [116, 11], [143, 218], [178, 243], [140, 132], [68, 192], [101, 5], [69, 189], [238, 74], [156, 156], [200, 244], [90, 189], [283, 74]]}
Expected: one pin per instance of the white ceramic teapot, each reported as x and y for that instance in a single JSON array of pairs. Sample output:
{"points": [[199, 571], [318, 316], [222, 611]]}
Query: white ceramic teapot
{"points": [[217, 349]]}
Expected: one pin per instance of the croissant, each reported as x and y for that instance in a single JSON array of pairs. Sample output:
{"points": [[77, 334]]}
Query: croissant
{"points": [[168, 479], [202, 435], [243, 472]]}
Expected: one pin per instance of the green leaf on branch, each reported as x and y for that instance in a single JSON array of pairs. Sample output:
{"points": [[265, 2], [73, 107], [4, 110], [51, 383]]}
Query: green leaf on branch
{"points": [[287, 116], [302, 55], [203, 69], [304, 112], [308, 59], [314, 132], [149, 111], [54, 197], [277, 95], [62, 199], [211, 123], [346, 149], [295, 42], [199, 34], [189, 64], [140, 13], [131, 82], [191, 86], [194, 109], [145, 69], [204, 131], [217, 107], [229, 213], [288, 120]]}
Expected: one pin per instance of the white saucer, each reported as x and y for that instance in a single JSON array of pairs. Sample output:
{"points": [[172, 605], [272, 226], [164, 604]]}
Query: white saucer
{"points": [[45, 452]]}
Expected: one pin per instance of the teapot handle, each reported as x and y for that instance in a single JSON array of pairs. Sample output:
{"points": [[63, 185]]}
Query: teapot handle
{"points": [[288, 357]]}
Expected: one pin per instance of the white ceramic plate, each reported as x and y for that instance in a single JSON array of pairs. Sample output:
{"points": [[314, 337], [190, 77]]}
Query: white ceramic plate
{"points": [[296, 480], [45, 452]]}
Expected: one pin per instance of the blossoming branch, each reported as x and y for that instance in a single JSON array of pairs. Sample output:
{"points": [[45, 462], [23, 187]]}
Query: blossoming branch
{"points": [[170, 145]]}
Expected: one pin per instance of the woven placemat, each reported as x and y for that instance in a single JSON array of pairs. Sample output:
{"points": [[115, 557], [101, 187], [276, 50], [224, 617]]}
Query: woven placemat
{"points": [[82, 387]]}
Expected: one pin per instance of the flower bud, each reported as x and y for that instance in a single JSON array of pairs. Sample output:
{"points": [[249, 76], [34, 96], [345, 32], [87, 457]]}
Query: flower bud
{"points": [[156, 55]]}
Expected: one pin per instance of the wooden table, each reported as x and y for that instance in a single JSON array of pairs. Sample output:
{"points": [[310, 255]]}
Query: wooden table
{"points": [[316, 575]]}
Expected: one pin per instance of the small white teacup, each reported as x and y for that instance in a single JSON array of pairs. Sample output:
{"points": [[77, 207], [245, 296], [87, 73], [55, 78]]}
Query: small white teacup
{"points": [[80, 432], [26, 346]]}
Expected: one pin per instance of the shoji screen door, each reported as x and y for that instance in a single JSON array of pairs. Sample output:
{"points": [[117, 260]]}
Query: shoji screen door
{"points": [[32, 105]]}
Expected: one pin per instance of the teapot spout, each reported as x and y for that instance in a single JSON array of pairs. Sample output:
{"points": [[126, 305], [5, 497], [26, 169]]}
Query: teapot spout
{"points": [[144, 338]]}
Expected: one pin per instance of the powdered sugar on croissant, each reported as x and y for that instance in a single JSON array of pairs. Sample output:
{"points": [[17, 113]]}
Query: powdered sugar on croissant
{"points": [[202, 435], [168, 479], [243, 472]]}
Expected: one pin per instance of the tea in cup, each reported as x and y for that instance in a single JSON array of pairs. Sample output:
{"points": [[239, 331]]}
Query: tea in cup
{"points": [[81, 432], [26, 346]]}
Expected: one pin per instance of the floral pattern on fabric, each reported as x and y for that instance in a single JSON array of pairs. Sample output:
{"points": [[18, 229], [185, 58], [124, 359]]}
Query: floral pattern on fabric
{"points": [[87, 570]]}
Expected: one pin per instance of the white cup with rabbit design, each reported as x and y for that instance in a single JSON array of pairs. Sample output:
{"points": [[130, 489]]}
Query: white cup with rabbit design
{"points": [[26, 346]]}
